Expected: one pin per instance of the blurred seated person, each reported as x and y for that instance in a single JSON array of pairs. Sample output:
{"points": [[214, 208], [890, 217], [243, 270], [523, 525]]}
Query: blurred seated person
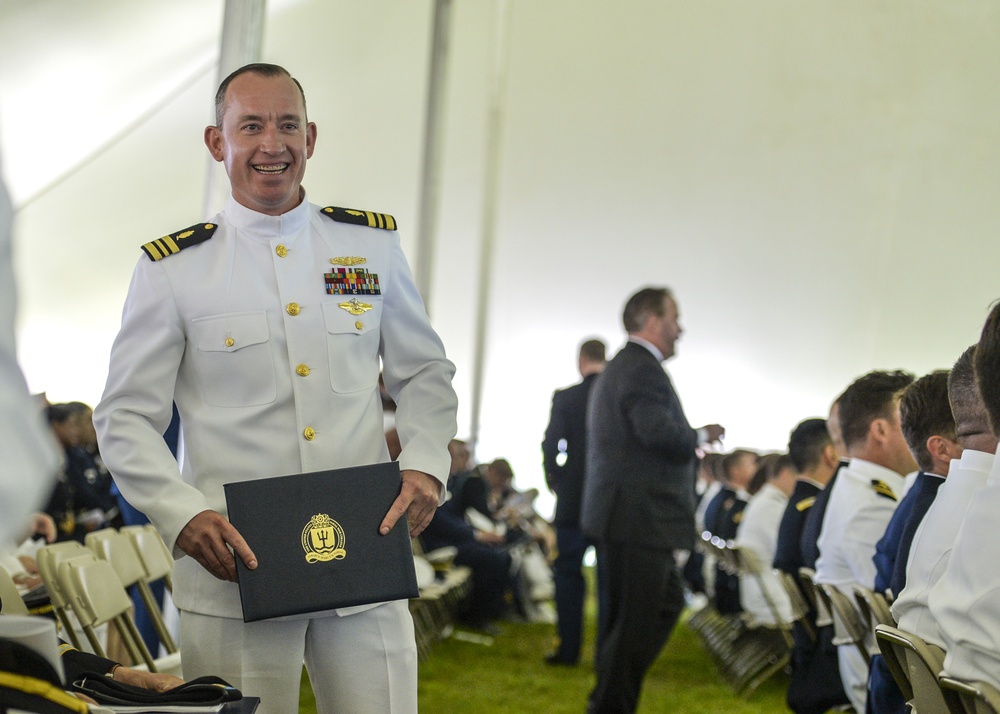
{"points": [[763, 597], [722, 518], [480, 550], [77, 503]]}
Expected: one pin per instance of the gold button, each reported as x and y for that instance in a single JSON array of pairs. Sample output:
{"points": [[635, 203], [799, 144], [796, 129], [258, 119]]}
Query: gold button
{"points": [[281, 250], [292, 309], [302, 370], [230, 342], [309, 433], [359, 324]]}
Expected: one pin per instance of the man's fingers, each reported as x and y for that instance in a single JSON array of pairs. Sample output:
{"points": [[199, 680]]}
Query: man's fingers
{"points": [[396, 511], [207, 538]]}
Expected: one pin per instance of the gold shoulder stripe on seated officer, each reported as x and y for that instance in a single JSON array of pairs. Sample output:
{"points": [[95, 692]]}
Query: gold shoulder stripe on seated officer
{"points": [[361, 218], [805, 504], [176, 242], [883, 489]]}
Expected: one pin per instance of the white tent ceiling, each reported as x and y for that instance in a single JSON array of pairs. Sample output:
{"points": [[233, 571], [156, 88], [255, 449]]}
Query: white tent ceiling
{"points": [[817, 181]]}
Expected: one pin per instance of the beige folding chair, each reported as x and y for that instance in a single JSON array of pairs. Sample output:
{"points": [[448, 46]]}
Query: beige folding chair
{"points": [[48, 558], [968, 697], [848, 626], [110, 545], [874, 607], [923, 662], [98, 596], [153, 552], [11, 602], [800, 606]]}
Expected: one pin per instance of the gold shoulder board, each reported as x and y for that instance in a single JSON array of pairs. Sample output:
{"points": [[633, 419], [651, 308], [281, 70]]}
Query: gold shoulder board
{"points": [[176, 242], [883, 489], [361, 218], [805, 504]]}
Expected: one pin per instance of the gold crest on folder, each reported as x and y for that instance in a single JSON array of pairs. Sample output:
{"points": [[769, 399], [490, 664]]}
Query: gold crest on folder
{"points": [[323, 539]]}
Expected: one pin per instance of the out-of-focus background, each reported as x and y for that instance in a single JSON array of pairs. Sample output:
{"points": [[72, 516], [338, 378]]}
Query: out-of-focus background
{"points": [[818, 182]]}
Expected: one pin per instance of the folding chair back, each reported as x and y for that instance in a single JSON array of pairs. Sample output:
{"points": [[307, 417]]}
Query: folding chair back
{"points": [[100, 597], [800, 606], [923, 662], [117, 549], [48, 558], [10, 597], [152, 551], [848, 626]]}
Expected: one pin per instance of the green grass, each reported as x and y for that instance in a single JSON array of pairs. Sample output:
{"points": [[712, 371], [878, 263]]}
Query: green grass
{"points": [[509, 677]]}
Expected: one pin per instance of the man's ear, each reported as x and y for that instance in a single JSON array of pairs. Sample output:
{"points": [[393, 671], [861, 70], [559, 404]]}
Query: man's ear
{"points": [[943, 449], [310, 139], [213, 140], [830, 457]]}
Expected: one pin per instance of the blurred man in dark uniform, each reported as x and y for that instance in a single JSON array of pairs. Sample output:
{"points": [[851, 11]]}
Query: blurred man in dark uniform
{"points": [[564, 451]]}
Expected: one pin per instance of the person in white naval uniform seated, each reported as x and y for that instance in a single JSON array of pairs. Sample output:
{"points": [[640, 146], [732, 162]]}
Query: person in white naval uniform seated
{"points": [[763, 596], [266, 325], [965, 602], [935, 536], [863, 499]]}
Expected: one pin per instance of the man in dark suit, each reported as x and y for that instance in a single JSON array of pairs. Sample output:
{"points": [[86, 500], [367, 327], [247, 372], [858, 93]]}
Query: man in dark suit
{"points": [[638, 497], [564, 451]]}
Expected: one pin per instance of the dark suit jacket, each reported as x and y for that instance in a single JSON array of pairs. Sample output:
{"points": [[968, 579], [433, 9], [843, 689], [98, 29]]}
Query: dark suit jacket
{"points": [[639, 487], [568, 421], [809, 545]]}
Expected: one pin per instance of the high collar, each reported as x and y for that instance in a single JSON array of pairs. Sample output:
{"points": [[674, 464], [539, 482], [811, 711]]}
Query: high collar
{"points": [[264, 227], [870, 470]]}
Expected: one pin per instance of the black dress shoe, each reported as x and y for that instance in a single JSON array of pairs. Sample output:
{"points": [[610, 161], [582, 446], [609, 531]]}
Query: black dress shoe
{"points": [[556, 661]]}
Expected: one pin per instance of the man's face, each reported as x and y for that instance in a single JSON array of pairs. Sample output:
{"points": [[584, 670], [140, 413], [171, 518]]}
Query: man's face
{"points": [[264, 142], [666, 328]]}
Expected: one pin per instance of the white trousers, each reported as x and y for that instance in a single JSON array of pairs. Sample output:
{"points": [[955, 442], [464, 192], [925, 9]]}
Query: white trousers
{"points": [[853, 675], [364, 663]]}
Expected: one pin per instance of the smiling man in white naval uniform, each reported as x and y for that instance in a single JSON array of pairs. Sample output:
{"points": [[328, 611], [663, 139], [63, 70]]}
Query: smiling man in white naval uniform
{"points": [[266, 326]]}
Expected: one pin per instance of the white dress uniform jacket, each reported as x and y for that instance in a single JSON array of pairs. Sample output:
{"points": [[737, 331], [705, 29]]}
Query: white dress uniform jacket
{"points": [[29, 456], [270, 375], [862, 502], [965, 602], [933, 541], [758, 531]]}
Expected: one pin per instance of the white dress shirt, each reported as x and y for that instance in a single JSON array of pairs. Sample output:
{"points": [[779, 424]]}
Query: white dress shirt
{"points": [[933, 540], [758, 531], [965, 602]]}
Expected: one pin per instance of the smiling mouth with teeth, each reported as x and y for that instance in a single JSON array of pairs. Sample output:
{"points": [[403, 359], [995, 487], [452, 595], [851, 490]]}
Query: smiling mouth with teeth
{"points": [[270, 168]]}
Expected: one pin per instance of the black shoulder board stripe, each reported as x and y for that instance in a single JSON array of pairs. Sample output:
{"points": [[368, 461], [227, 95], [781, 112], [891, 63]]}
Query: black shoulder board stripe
{"points": [[883, 489], [176, 242], [361, 218], [805, 504]]}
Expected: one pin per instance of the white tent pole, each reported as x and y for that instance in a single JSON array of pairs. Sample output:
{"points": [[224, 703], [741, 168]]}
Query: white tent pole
{"points": [[491, 182], [240, 44], [430, 179]]}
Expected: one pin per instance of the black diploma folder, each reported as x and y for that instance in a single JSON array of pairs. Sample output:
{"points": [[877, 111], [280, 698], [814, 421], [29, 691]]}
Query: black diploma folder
{"points": [[317, 543]]}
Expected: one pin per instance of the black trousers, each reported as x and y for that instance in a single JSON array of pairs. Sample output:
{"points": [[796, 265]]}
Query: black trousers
{"points": [[645, 599]]}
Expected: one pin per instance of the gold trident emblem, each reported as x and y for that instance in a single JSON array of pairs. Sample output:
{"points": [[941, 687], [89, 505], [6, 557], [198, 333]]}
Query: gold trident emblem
{"points": [[323, 539], [355, 306]]}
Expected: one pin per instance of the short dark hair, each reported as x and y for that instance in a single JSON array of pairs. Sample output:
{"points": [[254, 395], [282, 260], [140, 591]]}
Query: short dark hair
{"points": [[963, 392], [987, 372], [729, 460], [261, 68], [869, 397], [924, 411], [646, 302], [59, 413], [593, 351], [806, 444]]}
